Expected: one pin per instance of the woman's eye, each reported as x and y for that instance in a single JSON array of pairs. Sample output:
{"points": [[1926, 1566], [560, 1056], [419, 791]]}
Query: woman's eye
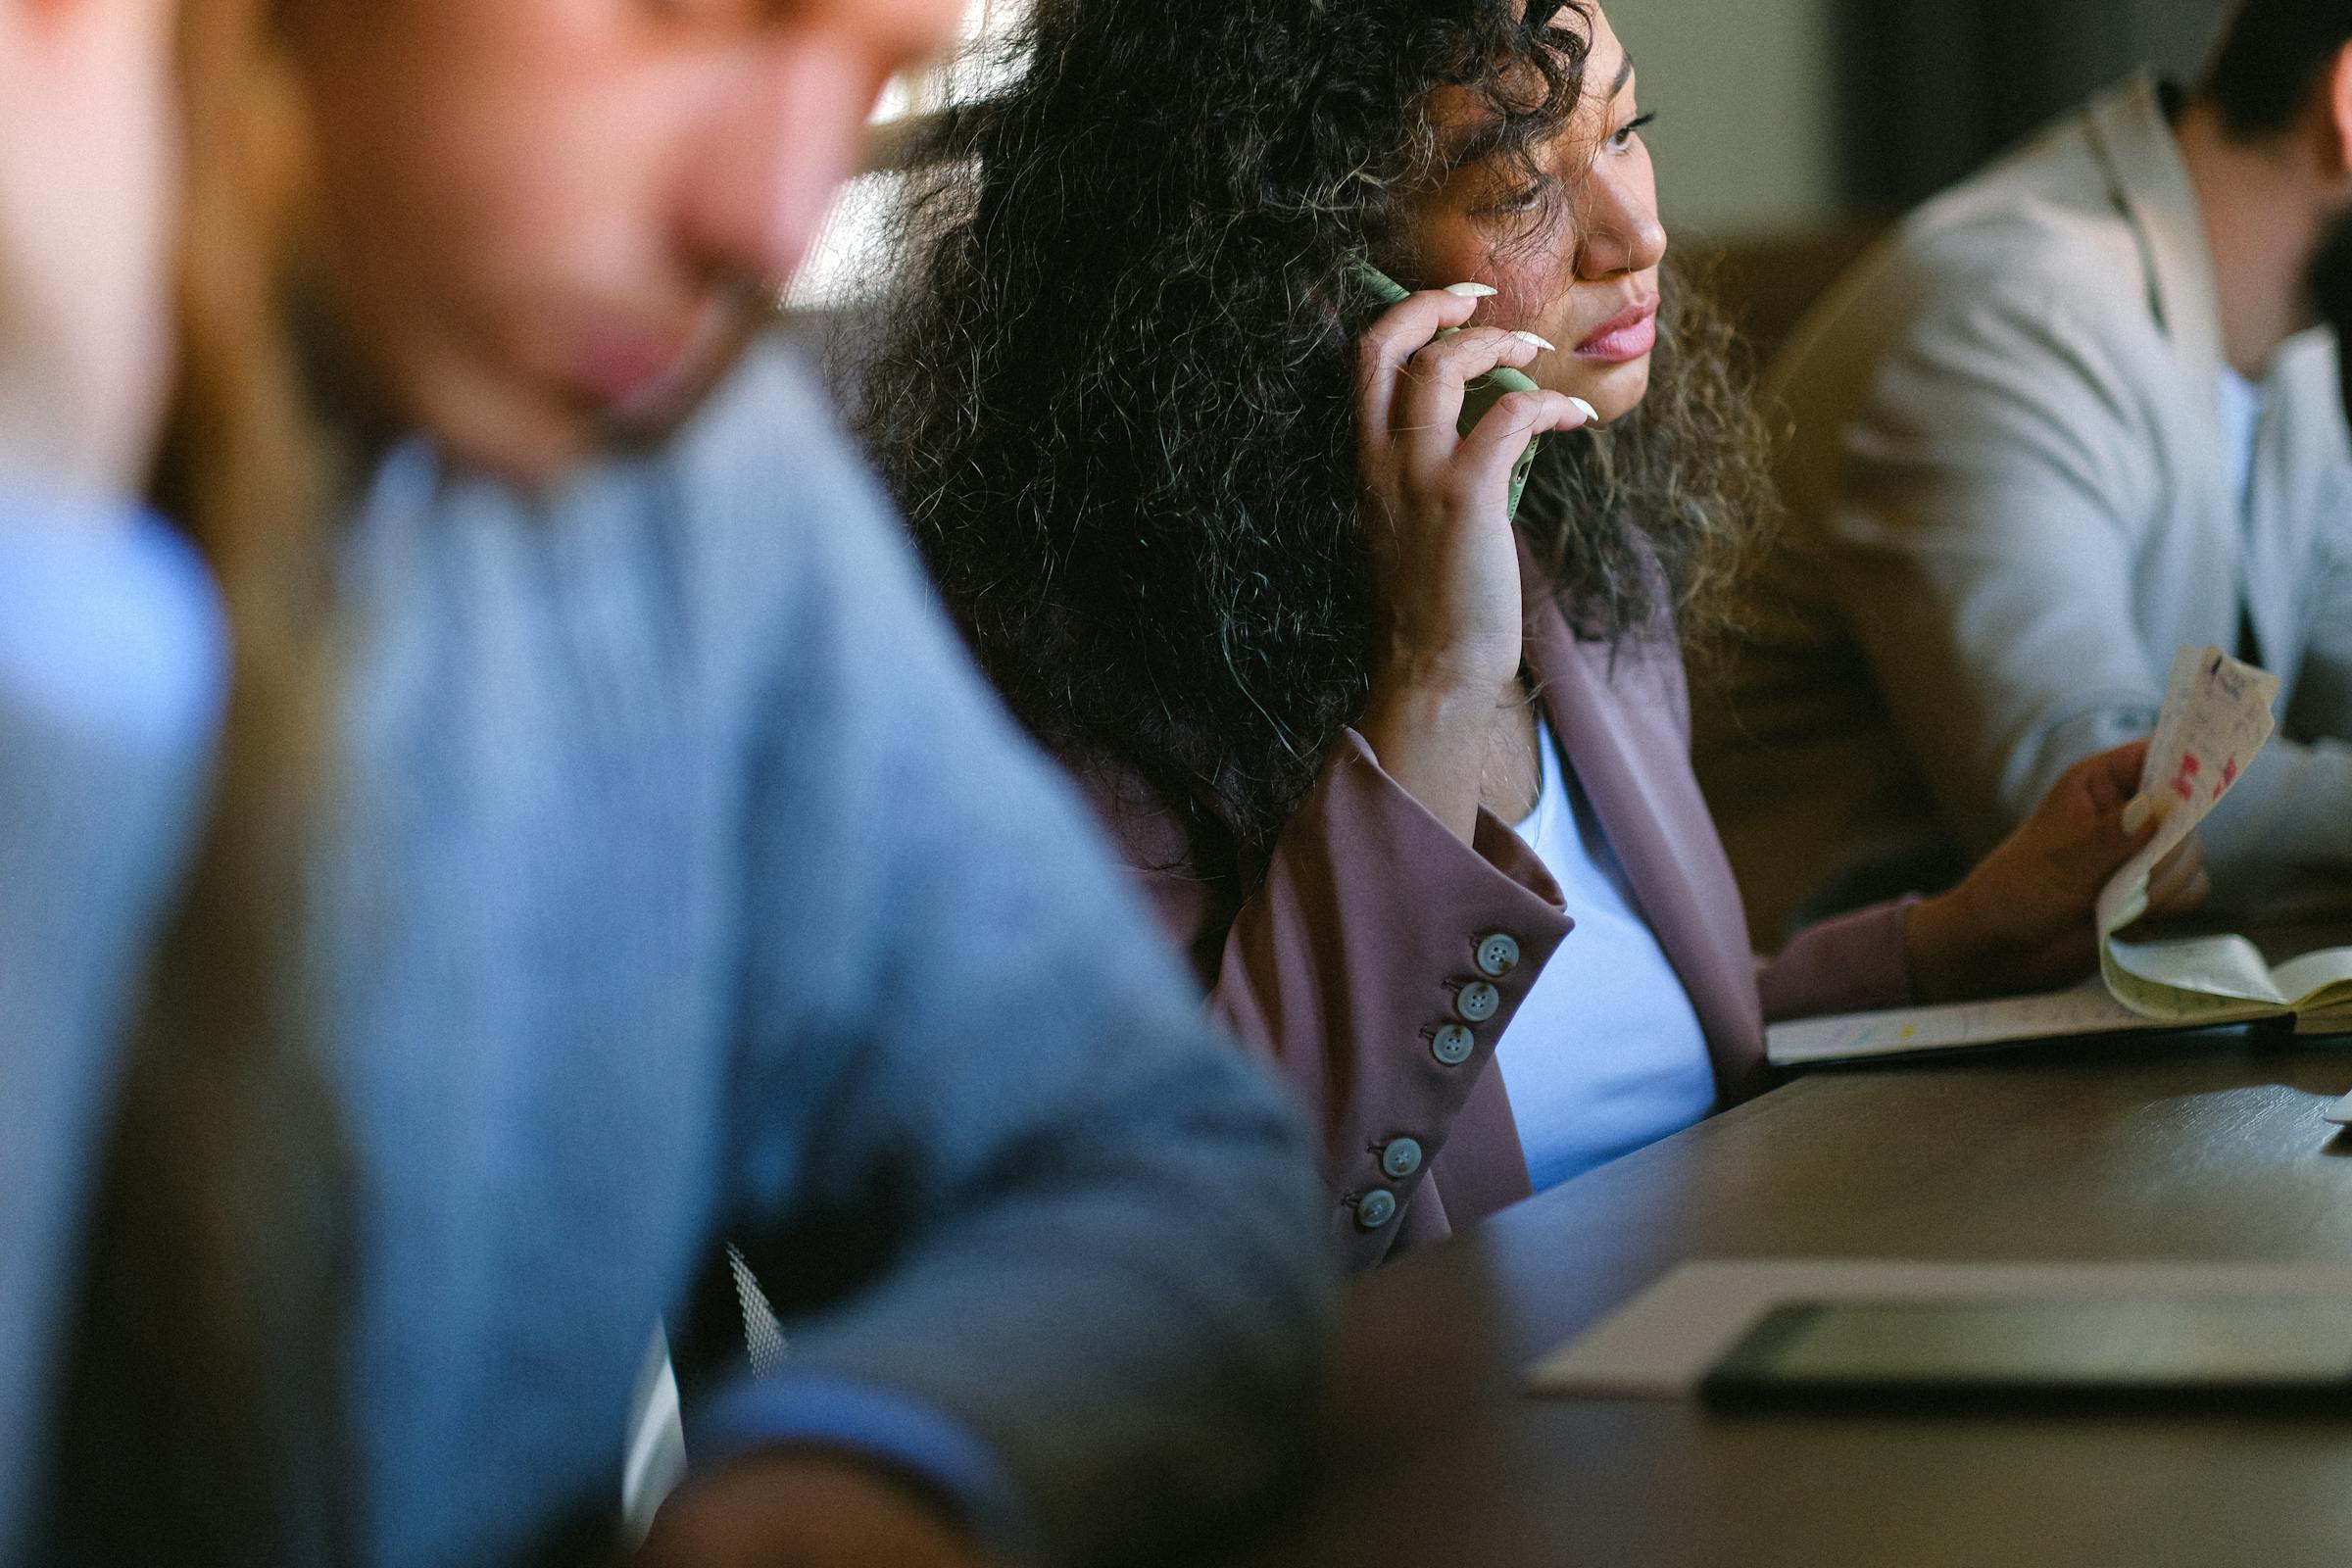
{"points": [[1633, 127]]}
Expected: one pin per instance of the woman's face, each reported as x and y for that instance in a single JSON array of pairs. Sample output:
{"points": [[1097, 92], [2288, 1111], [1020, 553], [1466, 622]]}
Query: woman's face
{"points": [[1573, 260], [549, 223]]}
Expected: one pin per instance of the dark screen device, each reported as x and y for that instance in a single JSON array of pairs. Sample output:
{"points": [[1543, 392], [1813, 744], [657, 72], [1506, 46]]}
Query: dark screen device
{"points": [[1479, 394], [2084, 1353]]}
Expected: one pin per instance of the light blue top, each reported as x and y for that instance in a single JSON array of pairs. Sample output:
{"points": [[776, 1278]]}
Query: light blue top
{"points": [[1606, 1053], [2241, 420], [683, 883]]}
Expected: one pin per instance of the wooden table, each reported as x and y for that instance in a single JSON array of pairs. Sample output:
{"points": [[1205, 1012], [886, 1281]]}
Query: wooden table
{"points": [[2210, 1149]]}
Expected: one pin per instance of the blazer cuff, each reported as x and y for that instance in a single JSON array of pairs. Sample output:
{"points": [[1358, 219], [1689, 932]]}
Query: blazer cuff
{"points": [[1448, 941], [1354, 785], [1857, 962]]}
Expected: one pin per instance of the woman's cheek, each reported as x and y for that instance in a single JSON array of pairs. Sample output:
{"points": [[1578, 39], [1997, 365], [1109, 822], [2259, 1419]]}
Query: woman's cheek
{"points": [[1537, 295]]}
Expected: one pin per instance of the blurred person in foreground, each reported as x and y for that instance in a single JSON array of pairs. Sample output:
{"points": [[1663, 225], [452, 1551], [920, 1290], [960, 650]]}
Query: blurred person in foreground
{"points": [[2078, 411], [522, 822]]}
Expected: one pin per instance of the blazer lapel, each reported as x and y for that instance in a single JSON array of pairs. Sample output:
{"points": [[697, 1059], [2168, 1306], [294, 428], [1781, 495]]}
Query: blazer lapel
{"points": [[2150, 182], [1622, 732]]}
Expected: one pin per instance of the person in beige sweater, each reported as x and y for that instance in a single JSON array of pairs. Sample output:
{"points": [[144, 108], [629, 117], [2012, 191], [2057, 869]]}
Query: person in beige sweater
{"points": [[2072, 415]]}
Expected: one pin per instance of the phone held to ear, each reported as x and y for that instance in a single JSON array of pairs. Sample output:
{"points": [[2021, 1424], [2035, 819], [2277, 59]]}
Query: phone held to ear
{"points": [[1480, 395]]}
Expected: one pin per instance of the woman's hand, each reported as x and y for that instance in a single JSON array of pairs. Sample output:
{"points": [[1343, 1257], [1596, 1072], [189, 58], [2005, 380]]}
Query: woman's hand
{"points": [[1445, 563], [88, 181], [802, 1508], [2022, 920]]}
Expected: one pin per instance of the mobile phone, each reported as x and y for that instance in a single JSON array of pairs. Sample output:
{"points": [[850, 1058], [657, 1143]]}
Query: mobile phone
{"points": [[2049, 1352], [1481, 392]]}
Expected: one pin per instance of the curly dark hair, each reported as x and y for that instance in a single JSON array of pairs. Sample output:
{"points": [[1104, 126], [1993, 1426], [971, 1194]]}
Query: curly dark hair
{"points": [[1113, 396]]}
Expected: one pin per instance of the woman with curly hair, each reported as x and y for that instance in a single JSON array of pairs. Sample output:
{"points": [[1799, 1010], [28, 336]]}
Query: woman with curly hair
{"points": [[1410, 782]]}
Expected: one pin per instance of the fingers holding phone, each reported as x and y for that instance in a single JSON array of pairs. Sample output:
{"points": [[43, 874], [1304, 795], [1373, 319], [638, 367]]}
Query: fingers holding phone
{"points": [[1438, 441]]}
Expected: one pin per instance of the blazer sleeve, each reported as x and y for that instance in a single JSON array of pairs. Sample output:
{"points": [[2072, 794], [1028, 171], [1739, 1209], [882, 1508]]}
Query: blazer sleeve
{"points": [[1854, 963], [1352, 968]]}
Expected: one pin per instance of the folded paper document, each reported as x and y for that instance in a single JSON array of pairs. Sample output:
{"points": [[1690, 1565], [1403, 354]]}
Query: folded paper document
{"points": [[2215, 722]]}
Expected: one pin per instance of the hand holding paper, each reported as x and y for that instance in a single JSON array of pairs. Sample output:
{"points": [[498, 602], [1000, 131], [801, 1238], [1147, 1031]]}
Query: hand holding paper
{"points": [[2215, 722], [2022, 920]]}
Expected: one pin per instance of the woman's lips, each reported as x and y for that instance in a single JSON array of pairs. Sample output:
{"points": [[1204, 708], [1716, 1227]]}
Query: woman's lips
{"points": [[1627, 335]]}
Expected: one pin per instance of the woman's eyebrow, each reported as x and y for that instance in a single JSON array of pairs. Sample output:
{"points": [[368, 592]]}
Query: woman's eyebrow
{"points": [[1489, 136], [1474, 147]]}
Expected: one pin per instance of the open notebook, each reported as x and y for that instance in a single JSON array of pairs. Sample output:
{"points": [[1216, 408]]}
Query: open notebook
{"points": [[2216, 718]]}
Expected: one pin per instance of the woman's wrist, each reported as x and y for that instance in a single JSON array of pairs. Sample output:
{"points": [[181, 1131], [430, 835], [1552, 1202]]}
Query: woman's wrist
{"points": [[1944, 941], [1439, 698], [1445, 664], [1958, 947], [1432, 740]]}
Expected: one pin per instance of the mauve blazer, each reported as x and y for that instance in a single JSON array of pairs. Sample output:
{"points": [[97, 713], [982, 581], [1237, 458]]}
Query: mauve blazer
{"points": [[1349, 965]]}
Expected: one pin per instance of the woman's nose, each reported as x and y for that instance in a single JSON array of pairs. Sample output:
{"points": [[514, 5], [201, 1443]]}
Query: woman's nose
{"points": [[1621, 227]]}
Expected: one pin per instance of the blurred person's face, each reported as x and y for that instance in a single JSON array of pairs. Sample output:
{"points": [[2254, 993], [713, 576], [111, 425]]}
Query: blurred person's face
{"points": [[549, 224], [1573, 260]]}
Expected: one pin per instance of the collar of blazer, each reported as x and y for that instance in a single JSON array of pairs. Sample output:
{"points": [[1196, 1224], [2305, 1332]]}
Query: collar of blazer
{"points": [[2132, 139], [1622, 718]]}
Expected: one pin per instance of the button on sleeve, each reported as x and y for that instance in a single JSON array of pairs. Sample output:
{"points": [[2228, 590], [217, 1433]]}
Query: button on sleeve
{"points": [[1497, 955], [1477, 1002]]}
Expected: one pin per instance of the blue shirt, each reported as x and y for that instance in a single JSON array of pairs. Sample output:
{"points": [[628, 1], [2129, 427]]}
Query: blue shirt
{"points": [[681, 882], [112, 662], [110, 625]]}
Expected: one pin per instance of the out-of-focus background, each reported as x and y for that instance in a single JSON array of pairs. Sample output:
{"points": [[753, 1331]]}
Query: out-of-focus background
{"points": [[1782, 117], [1789, 132]]}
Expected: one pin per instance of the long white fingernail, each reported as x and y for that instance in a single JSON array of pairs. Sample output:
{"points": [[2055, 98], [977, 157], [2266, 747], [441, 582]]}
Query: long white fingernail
{"points": [[1544, 344], [2135, 814], [1592, 415], [1470, 291]]}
